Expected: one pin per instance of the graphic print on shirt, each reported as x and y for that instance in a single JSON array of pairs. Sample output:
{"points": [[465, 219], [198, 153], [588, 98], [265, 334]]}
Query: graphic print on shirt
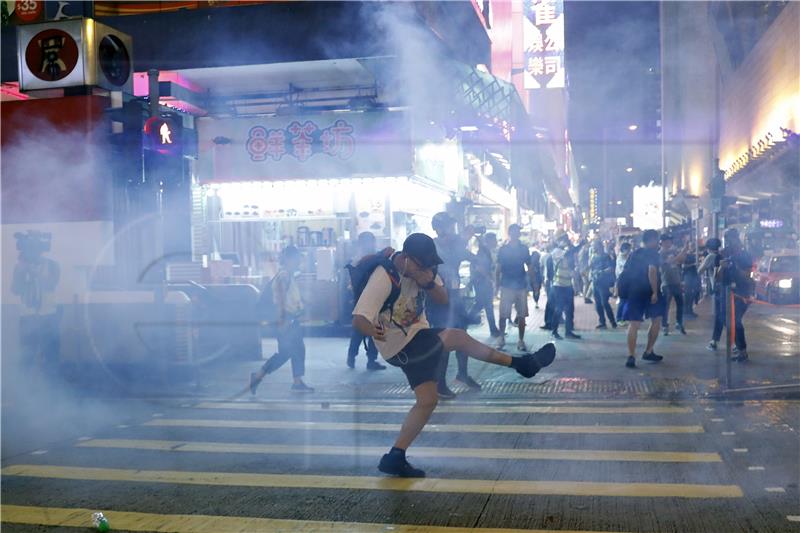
{"points": [[408, 310]]}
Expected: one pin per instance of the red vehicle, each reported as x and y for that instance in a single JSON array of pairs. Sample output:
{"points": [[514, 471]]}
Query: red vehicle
{"points": [[778, 278]]}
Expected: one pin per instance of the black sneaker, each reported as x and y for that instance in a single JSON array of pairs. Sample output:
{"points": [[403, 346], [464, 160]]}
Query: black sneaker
{"points": [[530, 363], [680, 328], [652, 357], [742, 357], [666, 331], [614, 325], [571, 335], [351, 361], [254, 381], [301, 387], [469, 382], [631, 362], [545, 326], [556, 336], [600, 326], [445, 393], [395, 464], [374, 365]]}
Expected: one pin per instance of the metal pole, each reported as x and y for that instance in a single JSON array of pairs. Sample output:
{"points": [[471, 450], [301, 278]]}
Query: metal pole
{"points": [[661, 9], [605, 174], [153, 91], [728, 291]]}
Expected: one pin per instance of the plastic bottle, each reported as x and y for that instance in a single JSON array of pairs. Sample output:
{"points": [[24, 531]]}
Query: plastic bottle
{"points": [[100, 522]]}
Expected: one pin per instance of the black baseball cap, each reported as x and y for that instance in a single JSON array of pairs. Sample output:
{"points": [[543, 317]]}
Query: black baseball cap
{"points": [[422, 248]]}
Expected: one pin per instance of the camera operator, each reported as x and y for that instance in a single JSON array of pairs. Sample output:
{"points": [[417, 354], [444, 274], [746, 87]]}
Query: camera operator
{"points": [[35, 279]]}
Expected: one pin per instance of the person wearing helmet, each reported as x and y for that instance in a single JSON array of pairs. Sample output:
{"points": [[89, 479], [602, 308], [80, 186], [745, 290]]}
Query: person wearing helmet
{"points": [[452, 248]]}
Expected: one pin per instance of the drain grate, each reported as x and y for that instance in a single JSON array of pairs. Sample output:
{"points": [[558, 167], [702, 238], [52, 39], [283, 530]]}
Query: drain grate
{"points": [[573, 386]]}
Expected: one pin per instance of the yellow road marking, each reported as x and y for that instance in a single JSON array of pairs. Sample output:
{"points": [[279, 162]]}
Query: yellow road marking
{"points": [[510, 409], [417, 451], [466, 486], [182, 523], [437, 428]]}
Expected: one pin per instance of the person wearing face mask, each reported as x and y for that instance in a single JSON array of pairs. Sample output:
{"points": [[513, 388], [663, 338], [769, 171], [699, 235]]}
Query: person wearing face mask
{"points": [[564, 265], [406, 340]]}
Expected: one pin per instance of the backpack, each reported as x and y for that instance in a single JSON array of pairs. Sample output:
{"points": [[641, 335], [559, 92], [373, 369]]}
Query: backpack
{"points": [[361, 272], [633, 279]]}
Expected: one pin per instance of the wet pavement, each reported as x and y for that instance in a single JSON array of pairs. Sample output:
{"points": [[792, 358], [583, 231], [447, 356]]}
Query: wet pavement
{"points": [[587, 445]]}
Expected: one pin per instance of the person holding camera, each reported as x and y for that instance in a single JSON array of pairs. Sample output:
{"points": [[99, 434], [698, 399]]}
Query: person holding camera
{"points": [[406, 340]]}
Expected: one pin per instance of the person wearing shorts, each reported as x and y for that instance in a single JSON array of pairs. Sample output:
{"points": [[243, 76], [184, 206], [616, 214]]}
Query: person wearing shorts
{"points": [[644, 297], [514, 275], [405, 339]]}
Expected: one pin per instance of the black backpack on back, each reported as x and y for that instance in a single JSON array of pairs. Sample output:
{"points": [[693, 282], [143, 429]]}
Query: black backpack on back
{"points": [[634, 277], [361, 272]]}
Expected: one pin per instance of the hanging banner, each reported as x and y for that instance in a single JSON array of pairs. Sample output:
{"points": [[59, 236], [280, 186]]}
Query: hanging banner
{"points": [[648, 204], [336, 145], [543, 42]]}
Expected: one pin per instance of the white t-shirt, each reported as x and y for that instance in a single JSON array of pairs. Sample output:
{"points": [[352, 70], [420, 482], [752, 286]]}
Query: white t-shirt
{"points": [[408, 312]]}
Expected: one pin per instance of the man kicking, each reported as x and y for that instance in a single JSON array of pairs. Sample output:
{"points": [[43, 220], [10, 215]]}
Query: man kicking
{"points": [[406, 340]]}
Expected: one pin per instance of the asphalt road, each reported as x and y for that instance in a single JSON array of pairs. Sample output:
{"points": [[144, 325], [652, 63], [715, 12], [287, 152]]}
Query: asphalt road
{"points": [[584, 461]]}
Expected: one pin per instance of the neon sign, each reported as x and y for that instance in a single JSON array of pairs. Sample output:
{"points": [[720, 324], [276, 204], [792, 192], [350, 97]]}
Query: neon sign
{"points": [[301, 140]]}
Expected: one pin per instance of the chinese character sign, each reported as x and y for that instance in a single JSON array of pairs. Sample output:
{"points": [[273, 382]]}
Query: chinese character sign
{"points": [[304, 146], [301, 140], [543, 40]]}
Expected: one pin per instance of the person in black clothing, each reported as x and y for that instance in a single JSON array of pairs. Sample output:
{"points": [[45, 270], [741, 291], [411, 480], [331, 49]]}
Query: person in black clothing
{"points": [[735, 267], [709, 266], [691, 285], [481, 274], [641, 286], [548, 270], [602, 267], [536, 276], [452, 248], [366, 246]]}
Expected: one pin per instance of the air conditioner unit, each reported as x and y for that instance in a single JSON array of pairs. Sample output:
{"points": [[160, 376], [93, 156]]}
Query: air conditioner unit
{"points": [[75, 52]]}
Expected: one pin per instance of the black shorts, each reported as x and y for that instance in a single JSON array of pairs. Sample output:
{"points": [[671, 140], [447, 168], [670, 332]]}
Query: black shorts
{"points": [[420, 359]]}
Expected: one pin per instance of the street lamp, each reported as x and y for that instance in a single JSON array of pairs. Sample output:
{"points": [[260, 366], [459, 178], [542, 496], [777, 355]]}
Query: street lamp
{"points": [[633, 127], [629, 170]]}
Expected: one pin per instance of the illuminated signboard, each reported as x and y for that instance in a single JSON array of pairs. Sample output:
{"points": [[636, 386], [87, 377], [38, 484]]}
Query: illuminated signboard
{"points": [[773, 223], [593, 215], [648, 203], [543, 42]]}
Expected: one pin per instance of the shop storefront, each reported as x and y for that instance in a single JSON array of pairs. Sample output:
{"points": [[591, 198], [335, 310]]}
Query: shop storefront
{"points": [[315, 182]]}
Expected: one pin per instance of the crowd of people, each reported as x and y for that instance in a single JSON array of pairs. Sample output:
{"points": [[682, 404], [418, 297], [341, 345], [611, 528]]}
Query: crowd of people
{"points": [[413, 308]]}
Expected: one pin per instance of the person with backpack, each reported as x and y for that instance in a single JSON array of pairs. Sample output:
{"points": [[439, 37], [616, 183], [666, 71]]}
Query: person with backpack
{"points": [[709, 267], [735, 268], [284, 307], [602, 270], [452, 248], [366, 246], [622, 259], [391, 308], [640, 285]]}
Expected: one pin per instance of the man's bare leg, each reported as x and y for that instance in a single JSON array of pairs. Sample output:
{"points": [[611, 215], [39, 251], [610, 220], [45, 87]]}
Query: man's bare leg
{"points": [[419, 414], [652, 334], [521, 324], [633, 333], [458, 339]]}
